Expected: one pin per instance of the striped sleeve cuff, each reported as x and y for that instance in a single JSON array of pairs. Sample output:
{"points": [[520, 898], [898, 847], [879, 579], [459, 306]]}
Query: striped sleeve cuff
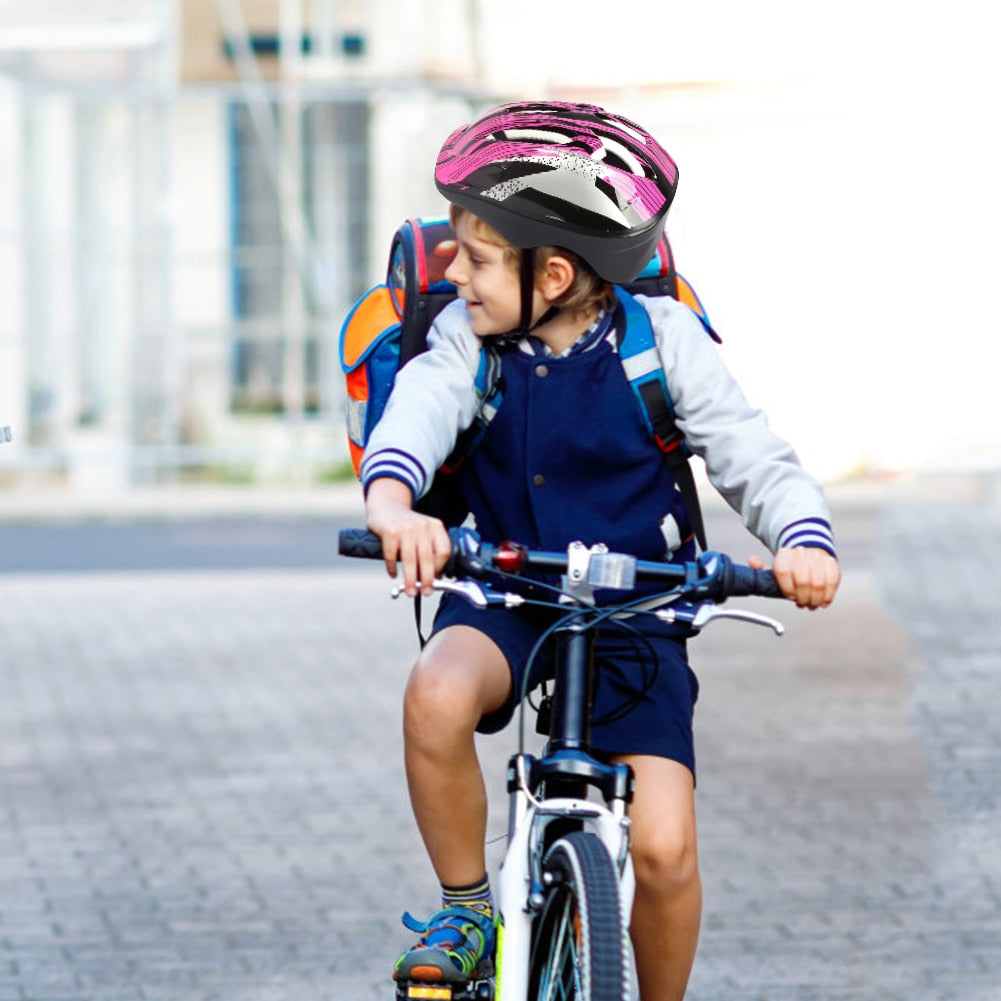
{"points": [[396, 465], [810, 533]]}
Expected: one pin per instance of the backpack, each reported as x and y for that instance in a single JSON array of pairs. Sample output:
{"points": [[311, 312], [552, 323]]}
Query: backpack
{"points": [[389, 325]]}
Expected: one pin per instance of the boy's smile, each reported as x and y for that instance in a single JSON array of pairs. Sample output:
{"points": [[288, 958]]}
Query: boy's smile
{"points": [[487, 281]]}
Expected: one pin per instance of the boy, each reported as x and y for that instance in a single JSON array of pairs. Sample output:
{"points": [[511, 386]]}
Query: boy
{"points": [[552, 203]]}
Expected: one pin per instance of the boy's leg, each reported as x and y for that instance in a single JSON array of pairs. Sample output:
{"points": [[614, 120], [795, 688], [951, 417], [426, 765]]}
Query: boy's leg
{"points": [[460, 676], [668, 905]]}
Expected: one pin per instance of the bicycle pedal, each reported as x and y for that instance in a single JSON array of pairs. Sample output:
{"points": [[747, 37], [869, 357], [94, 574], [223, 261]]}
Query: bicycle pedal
{"points": [[475, 990]]}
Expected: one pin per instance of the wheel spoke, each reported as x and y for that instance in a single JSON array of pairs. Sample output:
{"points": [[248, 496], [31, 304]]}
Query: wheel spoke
{"points": [[554, 965], [579, 945]]}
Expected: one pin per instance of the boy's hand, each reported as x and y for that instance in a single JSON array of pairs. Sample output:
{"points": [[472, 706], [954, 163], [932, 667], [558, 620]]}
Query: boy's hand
{"points": [[412, 541], [808, 576]]}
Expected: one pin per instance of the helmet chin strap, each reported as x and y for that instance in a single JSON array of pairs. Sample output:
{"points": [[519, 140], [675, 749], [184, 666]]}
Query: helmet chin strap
{"points": [[527, 275]]}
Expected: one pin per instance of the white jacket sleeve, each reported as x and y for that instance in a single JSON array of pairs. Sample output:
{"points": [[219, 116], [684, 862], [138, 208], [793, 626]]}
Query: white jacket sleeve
{"points": [[433, 400], [755, 470]]}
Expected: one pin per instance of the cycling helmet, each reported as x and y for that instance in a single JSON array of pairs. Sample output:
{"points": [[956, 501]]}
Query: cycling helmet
{"points": [[565, 175]]}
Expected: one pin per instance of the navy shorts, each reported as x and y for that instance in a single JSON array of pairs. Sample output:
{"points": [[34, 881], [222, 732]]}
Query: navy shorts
{"points": [[645, 692]]}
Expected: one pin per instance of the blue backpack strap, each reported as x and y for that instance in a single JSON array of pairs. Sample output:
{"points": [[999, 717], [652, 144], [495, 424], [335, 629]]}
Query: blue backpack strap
{"points": [[645, 371]]}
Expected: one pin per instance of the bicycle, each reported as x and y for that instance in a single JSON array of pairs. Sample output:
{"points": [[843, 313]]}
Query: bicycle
{"points": [[566, 883]]}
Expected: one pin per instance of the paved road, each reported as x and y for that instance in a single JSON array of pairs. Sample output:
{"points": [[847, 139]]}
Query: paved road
{"points": [[201, 796]]}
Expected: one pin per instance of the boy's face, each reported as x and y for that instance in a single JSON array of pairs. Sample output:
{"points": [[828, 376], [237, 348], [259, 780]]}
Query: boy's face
{"points": [[487, 281]]}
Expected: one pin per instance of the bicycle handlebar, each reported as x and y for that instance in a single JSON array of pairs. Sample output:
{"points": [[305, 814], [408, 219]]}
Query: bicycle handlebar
{"points": [[714, 577], [359, 543]]}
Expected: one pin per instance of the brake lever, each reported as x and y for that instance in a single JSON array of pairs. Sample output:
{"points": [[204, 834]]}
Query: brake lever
{"points": [[474, 593], [699, 616], [467, 589]]}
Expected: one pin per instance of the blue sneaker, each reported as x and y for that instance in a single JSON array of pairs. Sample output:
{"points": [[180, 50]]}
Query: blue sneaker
{"points": [[456, 945]]}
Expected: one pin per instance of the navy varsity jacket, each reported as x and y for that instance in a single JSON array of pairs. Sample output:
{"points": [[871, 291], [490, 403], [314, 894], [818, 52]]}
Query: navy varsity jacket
{"points": [[567, 457]]}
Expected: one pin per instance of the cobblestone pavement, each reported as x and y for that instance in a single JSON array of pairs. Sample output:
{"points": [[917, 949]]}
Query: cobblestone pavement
{"points": [[201, 796]]}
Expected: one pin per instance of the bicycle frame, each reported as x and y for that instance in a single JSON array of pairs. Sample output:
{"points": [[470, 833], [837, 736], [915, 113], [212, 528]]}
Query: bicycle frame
{"points": [[567, 766], [549, 801]]}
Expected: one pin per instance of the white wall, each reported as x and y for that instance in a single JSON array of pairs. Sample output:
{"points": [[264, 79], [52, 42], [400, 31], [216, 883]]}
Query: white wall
{"points": [[200, 212], [13, 402], [200, 217], [406, 133]]}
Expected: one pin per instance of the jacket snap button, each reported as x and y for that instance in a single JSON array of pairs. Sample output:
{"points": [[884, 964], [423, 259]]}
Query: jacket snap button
{"points": [[542, 371], [538, 479]]}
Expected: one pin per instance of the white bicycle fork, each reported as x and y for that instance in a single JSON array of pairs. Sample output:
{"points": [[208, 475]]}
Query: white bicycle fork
{"points": [[520, 879]]}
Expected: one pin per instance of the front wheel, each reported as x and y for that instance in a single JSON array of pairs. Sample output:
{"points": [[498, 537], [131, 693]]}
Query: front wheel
{"points": [[579, 940]]}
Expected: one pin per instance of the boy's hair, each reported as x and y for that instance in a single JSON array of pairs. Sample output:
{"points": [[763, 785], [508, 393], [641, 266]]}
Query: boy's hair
{"points": [[587, 292]]}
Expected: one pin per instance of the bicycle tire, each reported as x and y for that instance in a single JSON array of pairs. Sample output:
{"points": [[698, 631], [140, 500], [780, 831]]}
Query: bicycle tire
{"points": [[579, 940]]}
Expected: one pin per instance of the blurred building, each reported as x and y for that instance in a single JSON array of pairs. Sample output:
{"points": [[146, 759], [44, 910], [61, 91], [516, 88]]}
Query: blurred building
{"points": [[192, 193], [188, 193]]}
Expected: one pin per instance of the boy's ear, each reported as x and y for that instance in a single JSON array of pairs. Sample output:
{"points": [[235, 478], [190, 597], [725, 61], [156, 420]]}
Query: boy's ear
{"points": [[556, 277]]}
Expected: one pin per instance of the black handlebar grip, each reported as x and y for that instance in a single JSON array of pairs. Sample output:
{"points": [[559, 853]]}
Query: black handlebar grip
{"points": [[744, 581], [359, 542]]}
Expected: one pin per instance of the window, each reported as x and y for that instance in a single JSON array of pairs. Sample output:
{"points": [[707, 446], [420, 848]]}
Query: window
{"points": [[276, 366]]}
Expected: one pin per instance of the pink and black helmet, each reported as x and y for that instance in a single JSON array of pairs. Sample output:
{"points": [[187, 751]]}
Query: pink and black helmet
{"points": [[565, 175]]}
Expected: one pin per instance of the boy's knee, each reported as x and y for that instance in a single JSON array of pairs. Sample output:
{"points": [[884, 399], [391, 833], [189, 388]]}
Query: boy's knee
{"points": [[437, 697], [665, 860], [459, 677]]}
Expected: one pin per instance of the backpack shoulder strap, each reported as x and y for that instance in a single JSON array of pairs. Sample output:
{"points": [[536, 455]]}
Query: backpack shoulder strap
{"points": [[645, 372]]}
